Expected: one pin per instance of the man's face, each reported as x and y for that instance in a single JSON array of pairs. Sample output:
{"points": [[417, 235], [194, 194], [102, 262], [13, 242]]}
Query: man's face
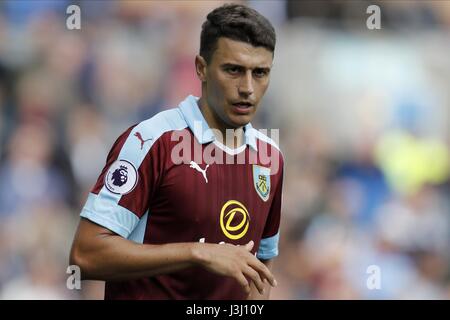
{"points": [[236, 79]]}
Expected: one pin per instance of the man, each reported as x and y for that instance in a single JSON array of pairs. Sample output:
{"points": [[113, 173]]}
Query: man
{"points": [[155, 227]]}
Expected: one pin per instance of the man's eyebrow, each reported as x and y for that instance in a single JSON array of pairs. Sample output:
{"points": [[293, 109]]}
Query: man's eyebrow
{"points": [[231, 65], [234, 65], [262, 68]]}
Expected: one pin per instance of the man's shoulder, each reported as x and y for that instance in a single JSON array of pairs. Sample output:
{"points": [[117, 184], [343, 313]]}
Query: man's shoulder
{"points": [[262, 138], [155, 127], [164, 121], [139, 139], [268, 150]]}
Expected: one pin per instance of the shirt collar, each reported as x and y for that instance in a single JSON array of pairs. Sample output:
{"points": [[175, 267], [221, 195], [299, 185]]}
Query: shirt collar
{"points": [[198, 125]]}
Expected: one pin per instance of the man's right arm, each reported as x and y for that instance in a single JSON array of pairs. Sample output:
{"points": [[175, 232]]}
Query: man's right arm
{"points": [[103, 255]]}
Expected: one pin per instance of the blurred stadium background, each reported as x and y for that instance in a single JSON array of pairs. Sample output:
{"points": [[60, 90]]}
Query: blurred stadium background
{"points": [[363, 117]]}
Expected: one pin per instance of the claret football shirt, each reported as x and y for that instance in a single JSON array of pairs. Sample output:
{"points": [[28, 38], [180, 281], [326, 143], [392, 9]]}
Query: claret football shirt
{"points": [[168, 179]]}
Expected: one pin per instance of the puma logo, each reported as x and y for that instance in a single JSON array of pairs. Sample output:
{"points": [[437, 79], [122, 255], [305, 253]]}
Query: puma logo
{"points": [[195, 166], [138, 135]]}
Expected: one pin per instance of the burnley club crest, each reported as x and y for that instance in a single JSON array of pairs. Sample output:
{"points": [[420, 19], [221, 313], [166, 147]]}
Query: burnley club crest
{"points": [[261, 181]]}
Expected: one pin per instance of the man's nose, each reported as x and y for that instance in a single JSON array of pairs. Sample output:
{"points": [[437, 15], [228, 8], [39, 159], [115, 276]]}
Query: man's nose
{"points": [[246, 84]]}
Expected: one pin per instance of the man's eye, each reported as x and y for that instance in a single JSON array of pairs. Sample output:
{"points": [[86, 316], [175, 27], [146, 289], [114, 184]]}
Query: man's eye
{"points": [[260, 73], [233, 70]]}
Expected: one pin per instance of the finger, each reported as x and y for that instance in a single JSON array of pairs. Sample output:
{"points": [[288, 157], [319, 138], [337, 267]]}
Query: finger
{"points": [[255, 278], [243, 282], [264, 272], [249, 246]]}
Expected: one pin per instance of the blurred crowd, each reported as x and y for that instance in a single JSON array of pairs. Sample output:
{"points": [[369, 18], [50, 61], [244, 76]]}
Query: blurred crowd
{"points": [[364, 120]]}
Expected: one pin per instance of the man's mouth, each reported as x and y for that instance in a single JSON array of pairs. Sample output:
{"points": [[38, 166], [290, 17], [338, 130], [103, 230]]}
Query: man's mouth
{"points": [[242, 107]]}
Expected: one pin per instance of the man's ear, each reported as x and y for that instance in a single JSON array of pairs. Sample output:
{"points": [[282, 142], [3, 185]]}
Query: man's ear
{"points": [[200, 67]]}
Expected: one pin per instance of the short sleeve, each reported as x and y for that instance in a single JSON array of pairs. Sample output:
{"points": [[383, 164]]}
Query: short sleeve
{"points": [[127, 182]]}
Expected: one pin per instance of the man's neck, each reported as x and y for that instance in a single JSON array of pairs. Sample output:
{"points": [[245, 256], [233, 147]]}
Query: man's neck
{"points": [[235, 140]]}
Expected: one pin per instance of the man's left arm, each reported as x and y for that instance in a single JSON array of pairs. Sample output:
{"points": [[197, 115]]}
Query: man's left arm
{"points": [[268, 248]]}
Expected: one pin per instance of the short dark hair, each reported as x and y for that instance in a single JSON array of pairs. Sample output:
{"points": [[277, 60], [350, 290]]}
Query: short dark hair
{"points": [[237, 22]]}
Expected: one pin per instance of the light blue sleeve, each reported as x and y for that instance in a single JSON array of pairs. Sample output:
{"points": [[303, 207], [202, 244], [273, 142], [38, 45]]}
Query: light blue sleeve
{"points": [[104, 208], [268, 248], [109, 214]]}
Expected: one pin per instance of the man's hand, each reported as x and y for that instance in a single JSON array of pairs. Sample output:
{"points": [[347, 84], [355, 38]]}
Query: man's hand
{"points": [[234, 261]]}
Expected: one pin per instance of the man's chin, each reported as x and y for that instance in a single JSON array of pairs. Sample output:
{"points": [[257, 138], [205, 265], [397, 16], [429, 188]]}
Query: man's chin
{"points": [[238, 121]]}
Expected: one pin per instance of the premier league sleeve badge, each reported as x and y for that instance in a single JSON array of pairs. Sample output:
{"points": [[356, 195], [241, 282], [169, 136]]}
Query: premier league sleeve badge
{"points": [[121, 177]]}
